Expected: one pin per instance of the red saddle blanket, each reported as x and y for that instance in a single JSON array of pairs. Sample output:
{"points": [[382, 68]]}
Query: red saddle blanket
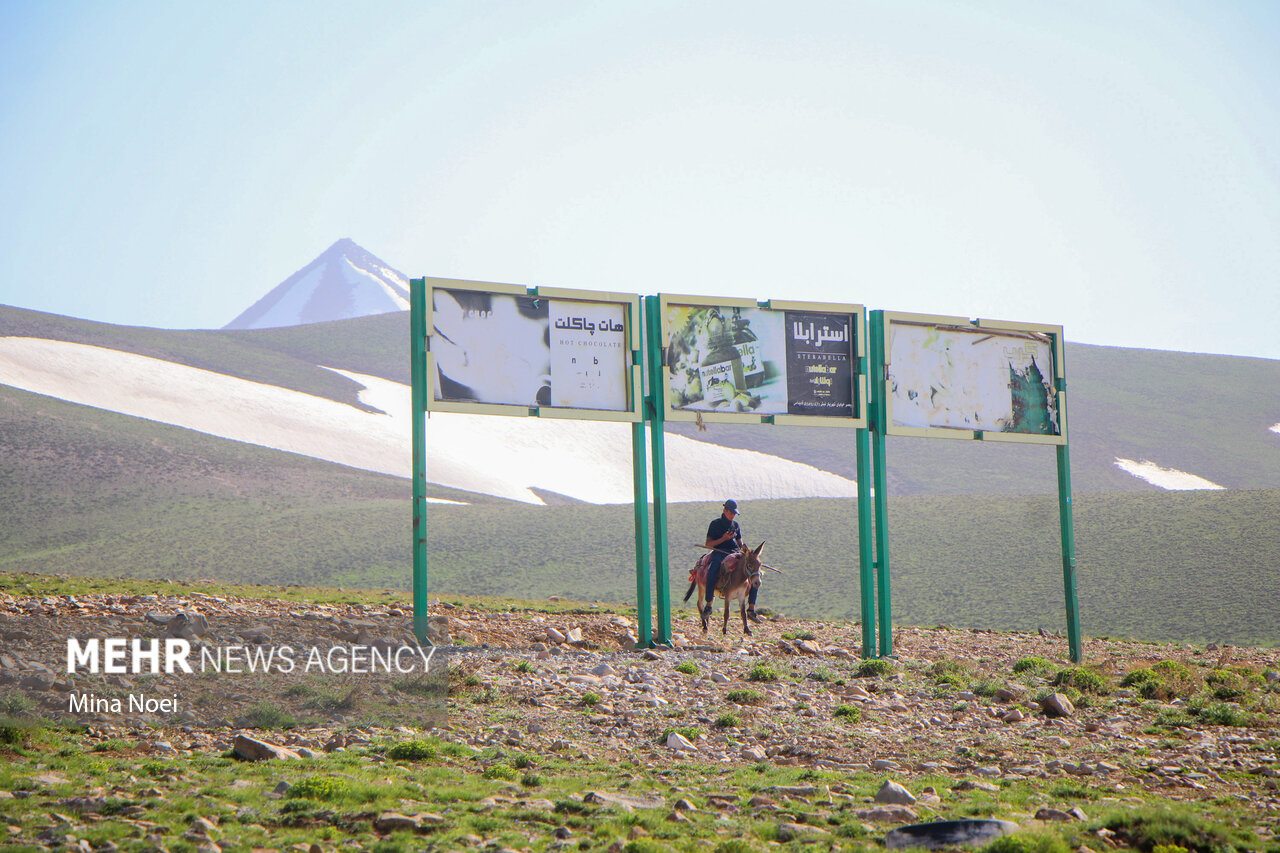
{"points": [[699, 570]]}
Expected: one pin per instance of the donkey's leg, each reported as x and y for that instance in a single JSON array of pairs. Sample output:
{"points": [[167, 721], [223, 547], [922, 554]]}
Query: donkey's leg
{"points": [[742, 611], [702, 613], [727, 602]]}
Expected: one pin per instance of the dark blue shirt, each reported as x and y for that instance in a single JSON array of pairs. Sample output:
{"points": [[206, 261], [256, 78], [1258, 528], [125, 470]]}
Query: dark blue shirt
{"points": [[720, 527]]}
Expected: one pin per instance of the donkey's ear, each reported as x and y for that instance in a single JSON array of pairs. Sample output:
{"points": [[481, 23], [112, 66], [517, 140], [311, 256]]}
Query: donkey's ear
{"points": [[758, 550]]}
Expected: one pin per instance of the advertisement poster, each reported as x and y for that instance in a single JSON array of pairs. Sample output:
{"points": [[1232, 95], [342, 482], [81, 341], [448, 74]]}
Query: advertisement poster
{"points": [[757, 361], [526, 351], [979, 379], [588, 355], [819, 364]]}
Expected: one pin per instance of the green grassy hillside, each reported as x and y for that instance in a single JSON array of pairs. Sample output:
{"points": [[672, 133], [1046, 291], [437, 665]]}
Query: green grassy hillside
{"points": [[94, 493]]}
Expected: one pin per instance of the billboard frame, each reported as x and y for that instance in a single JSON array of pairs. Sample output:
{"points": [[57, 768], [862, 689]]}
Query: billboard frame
{"points": [[968, 325], [632, 341], [881, 421], [859, 388]]}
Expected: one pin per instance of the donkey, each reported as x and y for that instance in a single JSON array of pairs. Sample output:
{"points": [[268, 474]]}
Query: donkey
{"points": [[739, 574]]}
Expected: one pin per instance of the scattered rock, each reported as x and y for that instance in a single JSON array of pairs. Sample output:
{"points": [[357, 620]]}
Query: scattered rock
{"points": [[252, 749], [391, 821], [893, 793], [887, 814], [679, 742], [1058, 705], [627, 802], [791, 831]]}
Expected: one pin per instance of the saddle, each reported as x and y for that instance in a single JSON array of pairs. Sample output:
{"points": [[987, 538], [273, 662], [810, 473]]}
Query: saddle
{"points": [[727, 565]]}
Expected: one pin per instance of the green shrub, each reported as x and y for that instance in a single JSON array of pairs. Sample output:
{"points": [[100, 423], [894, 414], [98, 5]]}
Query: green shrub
{"points": [[531, 780], [1221, 714], [688, 667], [1148, 828], [1083, 679], [1033, 666], [850, 713], [646, 845], [525, 666], [736, 845], [322, 788], [744, 697], [1175, 717], [986, 687], [875, 668], [412, 750], [950, 667], [591, 699], [267, 716], [1138, 677], [1172, 669], [762, 672], [500, 771], [727, 721], [1027, 842], [798, 635]]}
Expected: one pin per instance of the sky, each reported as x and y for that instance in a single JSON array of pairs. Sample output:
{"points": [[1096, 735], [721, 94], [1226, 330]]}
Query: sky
{"points": [[1112, 167]]}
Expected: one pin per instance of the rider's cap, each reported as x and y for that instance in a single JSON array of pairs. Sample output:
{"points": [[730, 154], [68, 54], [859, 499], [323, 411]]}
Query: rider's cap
{"points": [[731, 505]]}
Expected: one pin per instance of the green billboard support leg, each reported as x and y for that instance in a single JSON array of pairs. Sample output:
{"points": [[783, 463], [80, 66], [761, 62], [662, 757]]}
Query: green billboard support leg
{"points": [[880, 498], [657, 438], [418, 372], [866, 557], [1067, 526], [644, 607]]}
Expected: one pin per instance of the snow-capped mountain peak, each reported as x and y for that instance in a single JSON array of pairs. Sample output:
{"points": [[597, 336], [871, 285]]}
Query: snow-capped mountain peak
{"points": [[344, 281]]}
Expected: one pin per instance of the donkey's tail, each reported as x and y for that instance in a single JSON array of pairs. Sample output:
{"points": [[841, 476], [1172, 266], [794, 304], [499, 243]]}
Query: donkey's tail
{"points": [[692, 587]]}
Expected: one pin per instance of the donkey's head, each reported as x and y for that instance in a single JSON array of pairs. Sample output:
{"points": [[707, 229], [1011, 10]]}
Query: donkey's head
{"points": [[751, 564]]}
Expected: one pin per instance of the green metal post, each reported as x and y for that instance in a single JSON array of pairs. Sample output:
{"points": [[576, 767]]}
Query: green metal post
{"points": [[880, 482], [1067, 525], [418, 372], [644, 607], [657, 439], [866, 557]]}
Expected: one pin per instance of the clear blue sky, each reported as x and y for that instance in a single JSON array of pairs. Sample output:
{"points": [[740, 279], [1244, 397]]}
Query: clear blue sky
{"points": [[1113, 167]]}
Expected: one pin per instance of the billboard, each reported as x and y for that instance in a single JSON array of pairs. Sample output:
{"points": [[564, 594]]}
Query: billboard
{"points": [[779, 362], [955, 378], [507, 349]]}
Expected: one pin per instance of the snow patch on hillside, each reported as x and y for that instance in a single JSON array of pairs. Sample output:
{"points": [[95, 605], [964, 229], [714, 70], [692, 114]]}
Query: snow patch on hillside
{"points": [[1165, 478], [507, 457]]}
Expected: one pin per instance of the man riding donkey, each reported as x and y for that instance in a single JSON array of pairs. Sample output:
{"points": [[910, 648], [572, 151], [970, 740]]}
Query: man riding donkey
{"points": [[724, 538]]}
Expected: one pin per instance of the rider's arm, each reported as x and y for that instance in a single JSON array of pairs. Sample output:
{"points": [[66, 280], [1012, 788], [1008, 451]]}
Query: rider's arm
{"points": [[719, 540], [711, 543]]}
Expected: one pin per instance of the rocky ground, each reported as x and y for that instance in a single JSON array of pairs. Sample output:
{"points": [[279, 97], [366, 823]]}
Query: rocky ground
{"points": [[955, 711]]}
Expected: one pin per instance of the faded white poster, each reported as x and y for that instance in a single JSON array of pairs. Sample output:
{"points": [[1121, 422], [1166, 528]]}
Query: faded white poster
{"points": [[954, 378]]}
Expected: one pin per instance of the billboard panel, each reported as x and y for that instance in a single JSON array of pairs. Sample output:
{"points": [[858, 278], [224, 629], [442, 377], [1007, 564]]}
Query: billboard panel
{"points": [[954, 378], [734, 360], [536, 350]]}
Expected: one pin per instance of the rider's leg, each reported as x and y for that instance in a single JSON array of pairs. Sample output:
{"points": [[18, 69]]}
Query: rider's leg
{"points": [[751, 604], [713, 575]]}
